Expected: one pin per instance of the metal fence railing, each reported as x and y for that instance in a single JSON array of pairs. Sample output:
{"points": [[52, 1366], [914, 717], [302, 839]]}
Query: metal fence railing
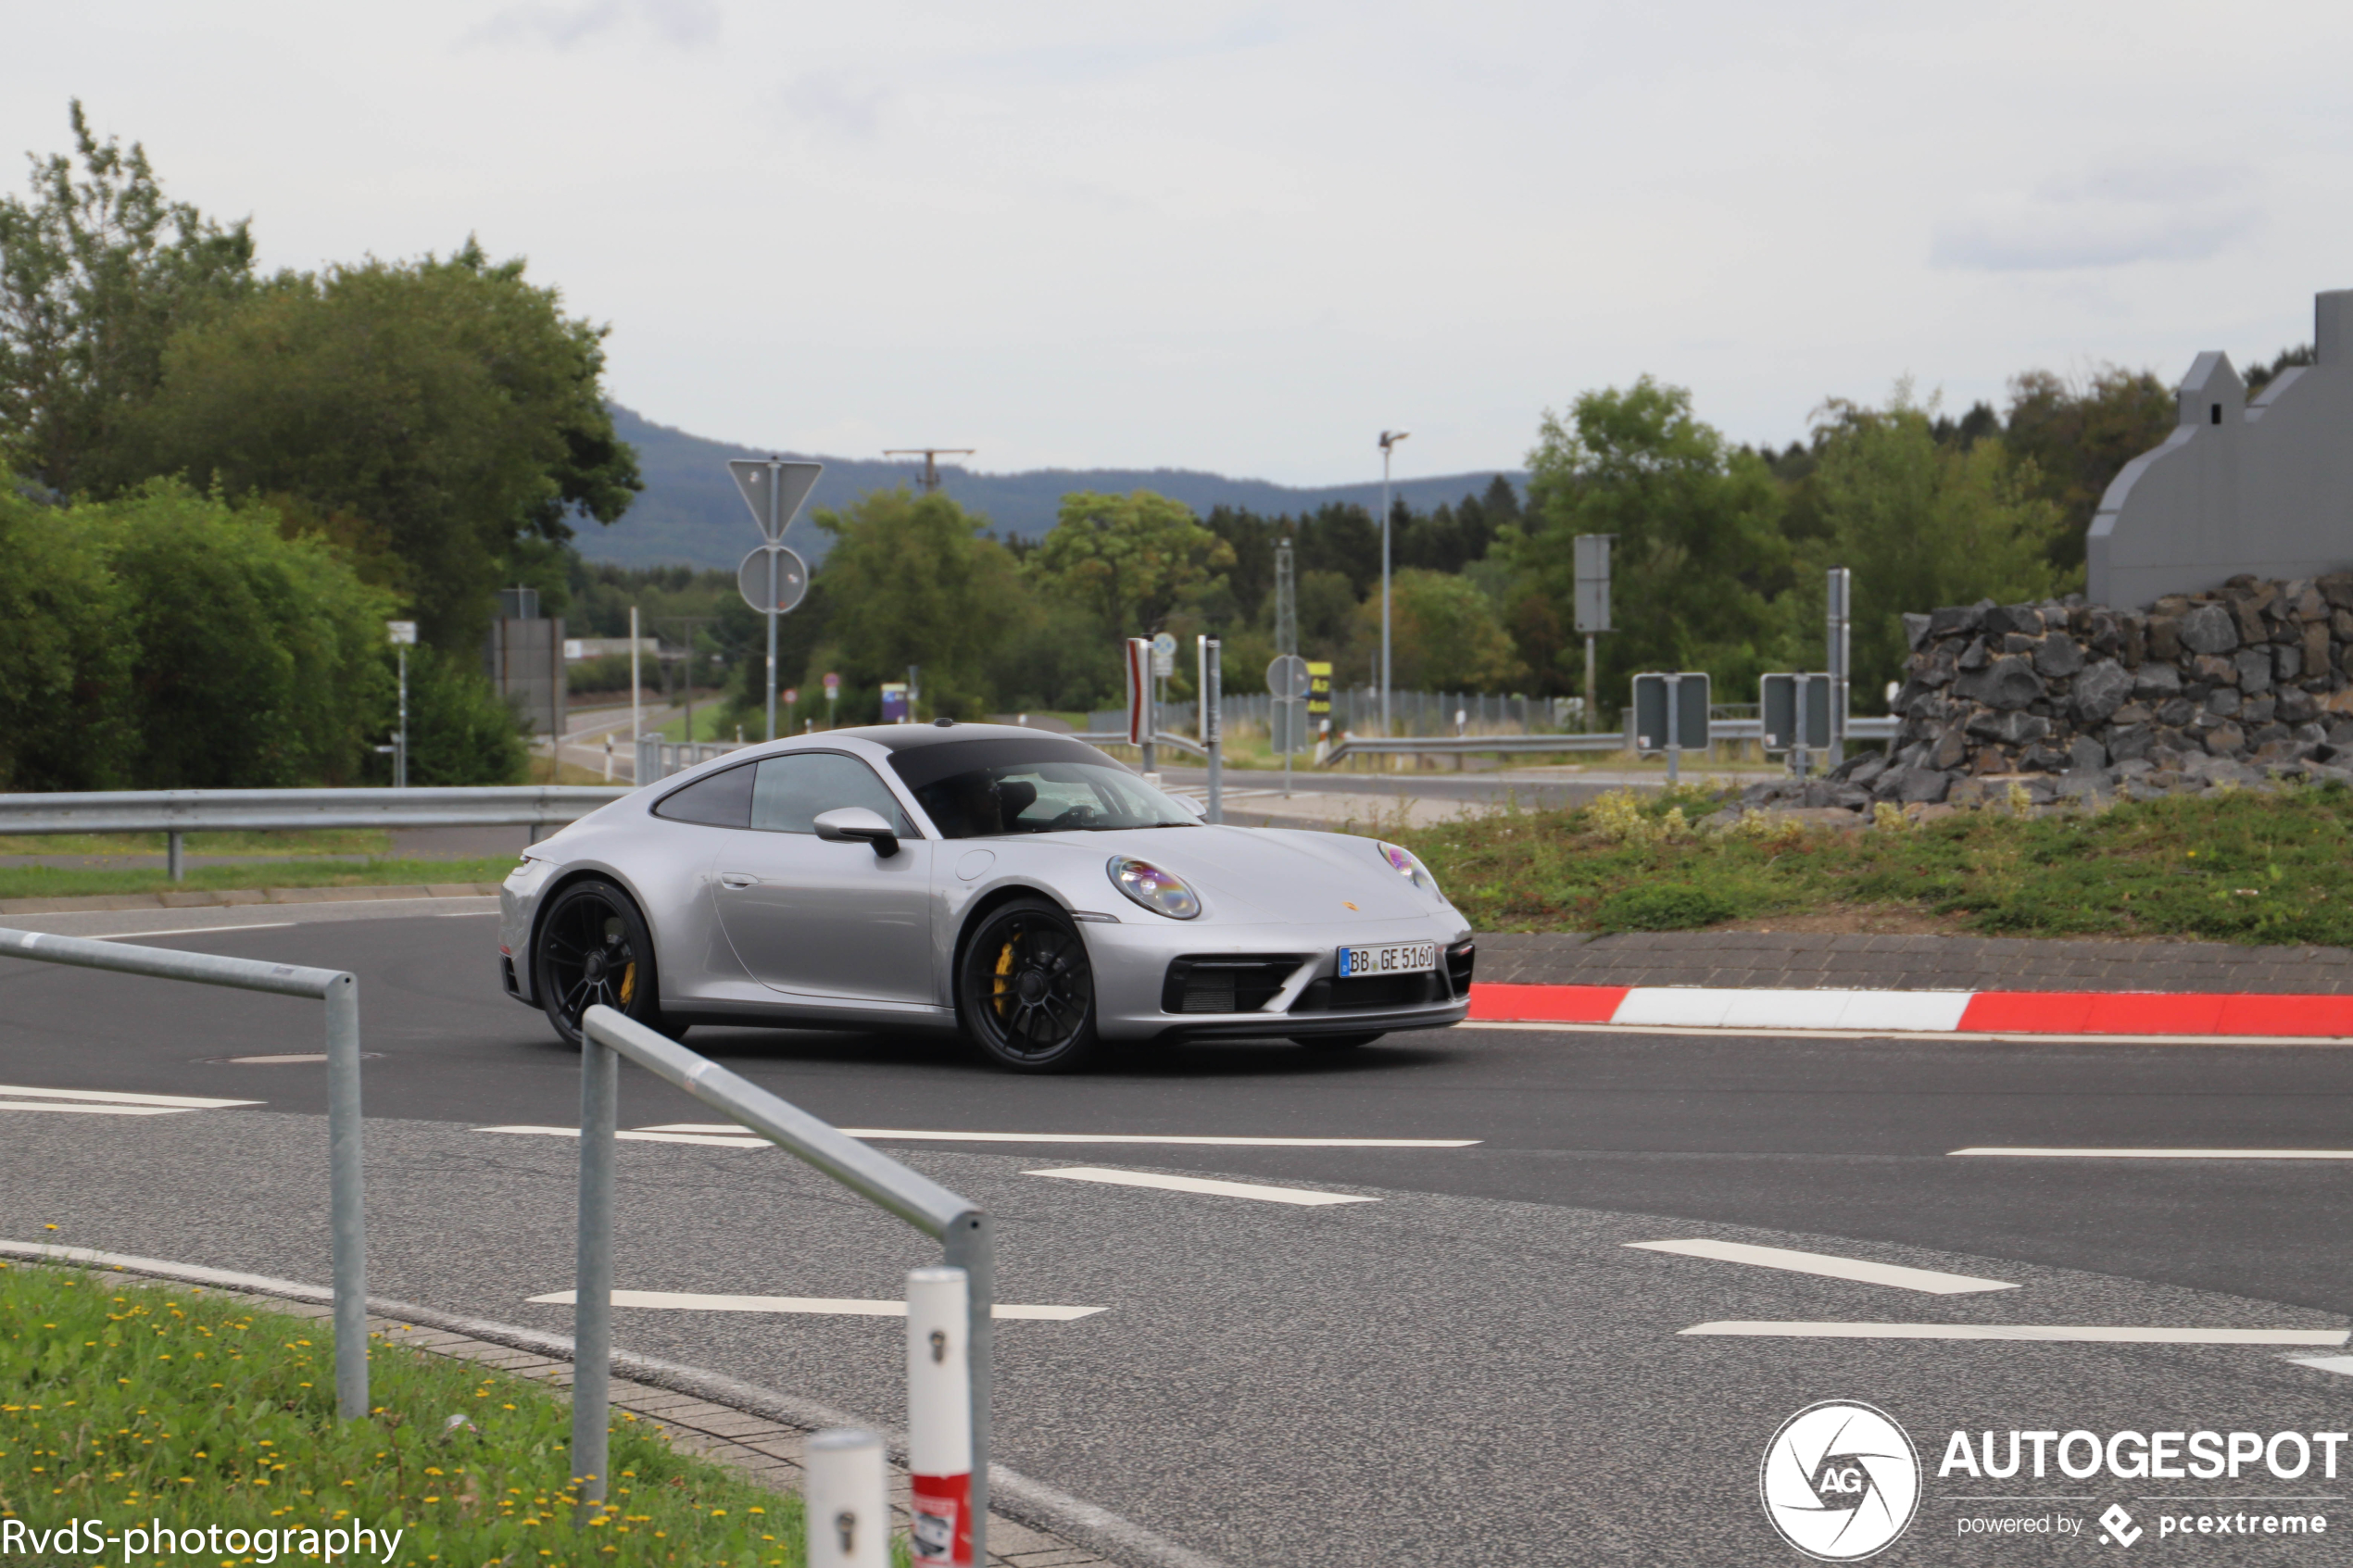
{"points": [[340, 992], [177, 812], [1720, 732], [958, 1224]]}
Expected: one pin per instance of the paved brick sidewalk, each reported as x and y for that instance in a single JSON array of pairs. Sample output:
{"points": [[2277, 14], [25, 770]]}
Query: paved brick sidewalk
{"points": [[1751, 959]]}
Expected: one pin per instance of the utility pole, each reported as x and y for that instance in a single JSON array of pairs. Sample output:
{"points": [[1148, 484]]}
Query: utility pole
{"points": [[690, 625], [931, 455], [1388, 440], [636, 703], [1286, 641]]}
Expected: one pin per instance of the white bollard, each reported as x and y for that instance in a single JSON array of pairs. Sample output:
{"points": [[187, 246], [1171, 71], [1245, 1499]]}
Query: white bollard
{"points": [[848, 1513], [939, 1415]]}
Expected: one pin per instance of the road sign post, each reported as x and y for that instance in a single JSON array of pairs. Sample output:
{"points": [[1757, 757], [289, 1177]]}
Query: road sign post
{"points": [[774, 491], [1842, 587], [1592, 608], [1800, 716], [404, 637], [1212, 682], [833, 695], [1670, 716], [1286, 686], [1139, 697]]}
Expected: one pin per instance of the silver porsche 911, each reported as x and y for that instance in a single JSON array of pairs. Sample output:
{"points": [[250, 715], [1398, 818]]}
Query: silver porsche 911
{"points": [[1021, 886]]}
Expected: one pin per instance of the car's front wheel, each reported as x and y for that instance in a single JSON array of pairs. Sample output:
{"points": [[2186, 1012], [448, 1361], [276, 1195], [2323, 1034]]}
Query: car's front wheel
{"points": [[1026, 992], [594, 948]]}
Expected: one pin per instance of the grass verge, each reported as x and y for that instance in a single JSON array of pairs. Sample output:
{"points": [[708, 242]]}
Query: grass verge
{"points": [[135, 1405], [77, 882], [2229, 865], [350, 841]]}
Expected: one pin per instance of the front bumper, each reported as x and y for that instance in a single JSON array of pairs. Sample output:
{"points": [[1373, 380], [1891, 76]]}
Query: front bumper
{"points": [[1142, 990]]}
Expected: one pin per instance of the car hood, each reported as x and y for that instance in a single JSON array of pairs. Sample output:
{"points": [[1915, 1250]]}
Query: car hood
{"points": [[1254, 875]]}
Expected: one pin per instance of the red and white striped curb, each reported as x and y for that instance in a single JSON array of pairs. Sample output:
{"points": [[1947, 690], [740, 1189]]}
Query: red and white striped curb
{"points": [[1921, 1012]]}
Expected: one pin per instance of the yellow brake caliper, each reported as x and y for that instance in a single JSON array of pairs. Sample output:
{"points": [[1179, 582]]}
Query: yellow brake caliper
{"points": [[1001, 997], [628, 983]]}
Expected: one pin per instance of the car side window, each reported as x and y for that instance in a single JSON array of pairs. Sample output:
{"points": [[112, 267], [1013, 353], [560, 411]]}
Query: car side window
{"points": [[793, 790], [722, 800]]}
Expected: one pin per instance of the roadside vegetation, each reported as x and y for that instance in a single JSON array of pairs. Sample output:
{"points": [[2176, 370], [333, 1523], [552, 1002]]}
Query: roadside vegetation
{"points": [[129, 1401], [2231, 865], [77, 882]]}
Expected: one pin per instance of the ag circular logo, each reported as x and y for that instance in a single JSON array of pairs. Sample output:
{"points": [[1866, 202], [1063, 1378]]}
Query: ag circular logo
{"points": [[1840, 1480]]}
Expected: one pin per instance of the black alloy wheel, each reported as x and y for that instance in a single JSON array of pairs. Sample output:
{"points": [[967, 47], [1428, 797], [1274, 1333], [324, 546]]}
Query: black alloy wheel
{"points": [[594, 948], [1333, 1042], [1026, 991]]}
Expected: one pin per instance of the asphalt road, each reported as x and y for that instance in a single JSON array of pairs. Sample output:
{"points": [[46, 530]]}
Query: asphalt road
{"points": [[1472, 1369]]}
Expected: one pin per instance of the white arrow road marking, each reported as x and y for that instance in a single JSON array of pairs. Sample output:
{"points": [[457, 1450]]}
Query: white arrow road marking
{"points": [[2069, 1334], [740, 1140], [907, 1136], [2341, 1365], [110, 1096], [1827, 1266], [1304, 1196], [690, 1301], [2160, 1153]]}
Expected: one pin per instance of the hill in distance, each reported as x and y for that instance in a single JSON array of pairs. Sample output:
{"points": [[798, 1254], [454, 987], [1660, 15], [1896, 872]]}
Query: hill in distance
{"points": [[691, 515]]}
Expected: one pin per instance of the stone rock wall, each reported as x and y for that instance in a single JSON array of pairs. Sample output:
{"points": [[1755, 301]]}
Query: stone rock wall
{"points": [[2242, 685]]}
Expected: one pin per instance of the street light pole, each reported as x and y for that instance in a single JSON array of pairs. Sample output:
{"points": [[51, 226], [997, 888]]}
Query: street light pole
{"points": [[1388, 440]]}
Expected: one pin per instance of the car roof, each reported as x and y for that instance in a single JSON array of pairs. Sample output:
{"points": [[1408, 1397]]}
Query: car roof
{"points": [[910, 737]]}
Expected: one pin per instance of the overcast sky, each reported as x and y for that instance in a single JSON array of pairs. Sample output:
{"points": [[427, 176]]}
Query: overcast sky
{"points": [[1246, 237]]}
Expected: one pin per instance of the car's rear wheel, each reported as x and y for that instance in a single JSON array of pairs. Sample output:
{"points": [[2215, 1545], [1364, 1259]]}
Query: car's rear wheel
{"points": [[1334, 1042], [594, 948], [1026, 992]]}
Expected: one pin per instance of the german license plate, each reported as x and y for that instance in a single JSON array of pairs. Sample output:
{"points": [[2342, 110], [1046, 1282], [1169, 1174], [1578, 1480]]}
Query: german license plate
{"points": [[1390, 958]]}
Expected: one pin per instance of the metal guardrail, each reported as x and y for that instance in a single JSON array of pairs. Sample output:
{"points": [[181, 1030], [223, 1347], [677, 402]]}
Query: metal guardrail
{"points": [[657, 758], [340, 992], [1719, 730], [1160, 738], [175, 812], [956, 1222]]}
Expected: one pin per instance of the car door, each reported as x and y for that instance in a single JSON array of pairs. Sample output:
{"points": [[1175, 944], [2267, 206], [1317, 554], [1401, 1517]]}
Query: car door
{"points": [[826, 919]]}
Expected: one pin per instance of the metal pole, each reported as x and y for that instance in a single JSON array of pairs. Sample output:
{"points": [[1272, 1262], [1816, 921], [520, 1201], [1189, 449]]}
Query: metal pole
{"points": [[967, 1246], [345, 1197], [1212, 725], [1384, 583], [592, 1286], [773, 557], [637, 709], [400, 756], [173, 862], [1592, 685], [1673, 729], [1840, 620]]}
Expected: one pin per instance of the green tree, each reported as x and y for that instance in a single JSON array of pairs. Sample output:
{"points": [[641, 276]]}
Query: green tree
{"points": [[96, 272], [2078, 434], [1130, 558], [65, 666], [1920, 523], [1698, 553], [448, 405], [460, 731], [1444, 635], [909, 580]]}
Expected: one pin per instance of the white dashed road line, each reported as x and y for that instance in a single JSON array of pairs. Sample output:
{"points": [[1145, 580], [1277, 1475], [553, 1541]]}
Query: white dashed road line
{"points": [[2158, 1153], [740, 1140], [2067, 1333], [1306, 1196], [109, 1102], [1827, 1266], [682, 1300], [191, 930], [904, 1135]]}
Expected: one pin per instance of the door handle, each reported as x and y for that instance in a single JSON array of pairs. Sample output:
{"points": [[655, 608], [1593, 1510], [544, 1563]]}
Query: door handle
{"points": [[737, 880]]}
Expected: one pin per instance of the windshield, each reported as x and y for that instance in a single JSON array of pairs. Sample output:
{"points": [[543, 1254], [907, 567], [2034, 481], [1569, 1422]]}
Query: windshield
{"points": [[1046, 797]]}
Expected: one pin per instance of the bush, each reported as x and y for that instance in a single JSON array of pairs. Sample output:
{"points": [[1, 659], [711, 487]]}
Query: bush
{"points": [[1664, 906], [460, 730]]}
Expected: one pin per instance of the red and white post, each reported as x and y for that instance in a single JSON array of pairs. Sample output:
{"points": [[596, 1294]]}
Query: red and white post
{"points": [[848, 1510], [940, 1428]]}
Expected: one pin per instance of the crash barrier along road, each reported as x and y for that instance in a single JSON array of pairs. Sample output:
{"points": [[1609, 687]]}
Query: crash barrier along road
{"points": [[1720, 731], [340, 991], [955, 1223], [175, 812]]}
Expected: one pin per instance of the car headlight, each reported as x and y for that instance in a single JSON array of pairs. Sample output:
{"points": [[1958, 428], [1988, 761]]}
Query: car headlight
{"points": [[1156, 890], [1407, 864]]}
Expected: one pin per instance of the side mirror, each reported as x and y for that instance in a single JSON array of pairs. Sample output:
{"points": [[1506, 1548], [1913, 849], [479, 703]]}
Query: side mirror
{"points": [[858, 824]]}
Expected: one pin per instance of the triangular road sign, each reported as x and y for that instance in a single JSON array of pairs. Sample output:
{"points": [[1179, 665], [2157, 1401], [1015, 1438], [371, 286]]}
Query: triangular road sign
{"points": [[792, 483]]}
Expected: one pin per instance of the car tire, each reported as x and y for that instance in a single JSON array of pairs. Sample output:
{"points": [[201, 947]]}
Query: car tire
{"points": [[1334, 1042], [593, 946], [1024, 991]]}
